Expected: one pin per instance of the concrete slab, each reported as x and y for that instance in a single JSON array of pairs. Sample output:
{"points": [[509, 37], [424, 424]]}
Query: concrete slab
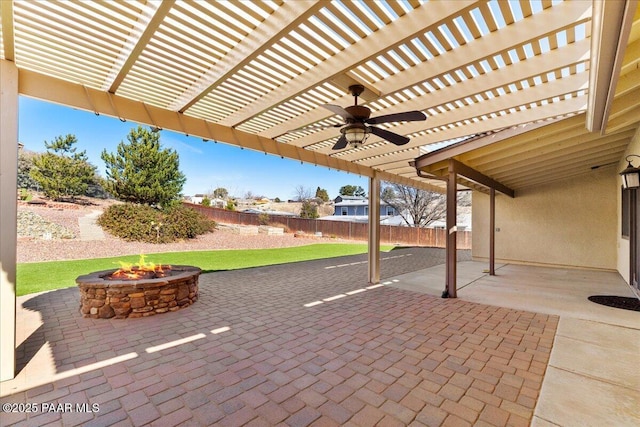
{"points": [[431, 280], [558, 291], [571, 399], [614, 359]]}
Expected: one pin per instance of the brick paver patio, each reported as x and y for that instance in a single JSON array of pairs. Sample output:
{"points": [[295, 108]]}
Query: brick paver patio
{"points": [[298, 344]]}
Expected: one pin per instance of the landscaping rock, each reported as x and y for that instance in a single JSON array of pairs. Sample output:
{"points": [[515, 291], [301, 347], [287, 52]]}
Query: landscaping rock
{"points": [[32, 225]]}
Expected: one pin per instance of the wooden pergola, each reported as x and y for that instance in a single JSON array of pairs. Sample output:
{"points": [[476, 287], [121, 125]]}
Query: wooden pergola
{"points": [[247, 73]]}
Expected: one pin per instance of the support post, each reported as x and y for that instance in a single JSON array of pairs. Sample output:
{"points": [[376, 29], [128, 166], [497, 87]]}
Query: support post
{"points": [[374, 230], [8, 216], [452, 233], [492, 233]]}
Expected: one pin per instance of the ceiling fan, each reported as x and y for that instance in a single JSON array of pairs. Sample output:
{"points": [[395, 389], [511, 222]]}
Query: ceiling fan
{"points": [[357, 122]]}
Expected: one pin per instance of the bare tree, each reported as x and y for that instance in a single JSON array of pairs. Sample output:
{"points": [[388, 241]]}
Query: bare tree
{"points": [[301, 193], [418, 208]]}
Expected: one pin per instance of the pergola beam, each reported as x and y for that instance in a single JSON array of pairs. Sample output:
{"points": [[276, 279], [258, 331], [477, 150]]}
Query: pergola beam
{"points": [[395, 33], [287, 17], [480, 178], [101, 102], [611, 25], [476, 111], [470, 53], [149, 30], [413, 149], [472, 144], [472, 174], [8, 34]]}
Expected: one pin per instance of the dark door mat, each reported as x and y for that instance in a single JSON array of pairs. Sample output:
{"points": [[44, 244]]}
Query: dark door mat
{"points": [[625, 303]]}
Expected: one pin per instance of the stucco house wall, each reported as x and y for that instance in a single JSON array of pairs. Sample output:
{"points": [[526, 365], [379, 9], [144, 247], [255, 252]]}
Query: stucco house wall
{"points": [[569, 223]]}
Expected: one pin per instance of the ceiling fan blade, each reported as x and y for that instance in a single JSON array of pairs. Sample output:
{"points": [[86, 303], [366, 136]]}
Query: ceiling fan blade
{"points": [[336, 109], [407, 116], [342, 142], [389, 136]]}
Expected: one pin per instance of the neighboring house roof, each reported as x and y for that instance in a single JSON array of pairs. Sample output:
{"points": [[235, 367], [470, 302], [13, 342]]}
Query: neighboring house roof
{"points": [[343, 197], [352, 203]]}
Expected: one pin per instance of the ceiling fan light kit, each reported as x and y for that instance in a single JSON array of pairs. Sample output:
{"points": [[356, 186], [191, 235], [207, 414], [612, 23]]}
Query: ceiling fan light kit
{"points": [[356, 134]]}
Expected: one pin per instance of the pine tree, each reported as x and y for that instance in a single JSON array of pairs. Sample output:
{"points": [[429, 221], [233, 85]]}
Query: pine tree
{"points": [[61, 171], [25, 164], [309, 210], [322, 194], [141, 171], [352, 190]]}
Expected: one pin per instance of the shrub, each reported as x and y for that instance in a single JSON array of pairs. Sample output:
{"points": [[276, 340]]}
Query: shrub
{"points": [[144, 223], [263, 218], [182, 222], [25, 195]]}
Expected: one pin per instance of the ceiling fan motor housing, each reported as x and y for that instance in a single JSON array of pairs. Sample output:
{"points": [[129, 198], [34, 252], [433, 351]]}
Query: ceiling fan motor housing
{"points": [[359, 113]]}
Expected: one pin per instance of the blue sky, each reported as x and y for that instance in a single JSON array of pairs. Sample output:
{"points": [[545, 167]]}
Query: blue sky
{"points": [[207, 165]]}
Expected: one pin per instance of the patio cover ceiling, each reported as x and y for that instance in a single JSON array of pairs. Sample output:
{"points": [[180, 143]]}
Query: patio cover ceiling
{"points": [[247, 73]]}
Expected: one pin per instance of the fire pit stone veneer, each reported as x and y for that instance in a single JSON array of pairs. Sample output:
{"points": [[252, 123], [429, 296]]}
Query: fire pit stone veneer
{"points": [[103, 298]]}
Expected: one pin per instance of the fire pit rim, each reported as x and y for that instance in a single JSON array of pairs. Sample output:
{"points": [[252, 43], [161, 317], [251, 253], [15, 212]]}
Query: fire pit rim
{"points": [[102, 298], [97, 278]]}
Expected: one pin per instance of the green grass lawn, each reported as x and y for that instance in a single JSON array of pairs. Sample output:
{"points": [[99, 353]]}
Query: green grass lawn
{"points": [[45, 276]]}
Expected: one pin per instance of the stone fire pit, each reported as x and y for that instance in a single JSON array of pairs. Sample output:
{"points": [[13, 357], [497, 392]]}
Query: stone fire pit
{"points": [[103, 297]]}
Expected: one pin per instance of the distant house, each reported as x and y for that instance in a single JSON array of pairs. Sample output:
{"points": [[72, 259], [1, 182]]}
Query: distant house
{"points": [[358, 206], [218, 203], [356, 209], [197, 199]]}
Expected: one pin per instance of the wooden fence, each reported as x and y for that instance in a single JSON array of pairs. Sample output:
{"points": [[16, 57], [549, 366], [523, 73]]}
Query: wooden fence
{"points": [[411, 236]]}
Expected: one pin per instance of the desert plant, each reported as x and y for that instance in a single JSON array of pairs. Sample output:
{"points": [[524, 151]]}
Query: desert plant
{"points": [[134, 222]]}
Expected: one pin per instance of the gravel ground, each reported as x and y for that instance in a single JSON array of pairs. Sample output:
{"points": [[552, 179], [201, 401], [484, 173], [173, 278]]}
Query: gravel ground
{"points": [[33, 248]]}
